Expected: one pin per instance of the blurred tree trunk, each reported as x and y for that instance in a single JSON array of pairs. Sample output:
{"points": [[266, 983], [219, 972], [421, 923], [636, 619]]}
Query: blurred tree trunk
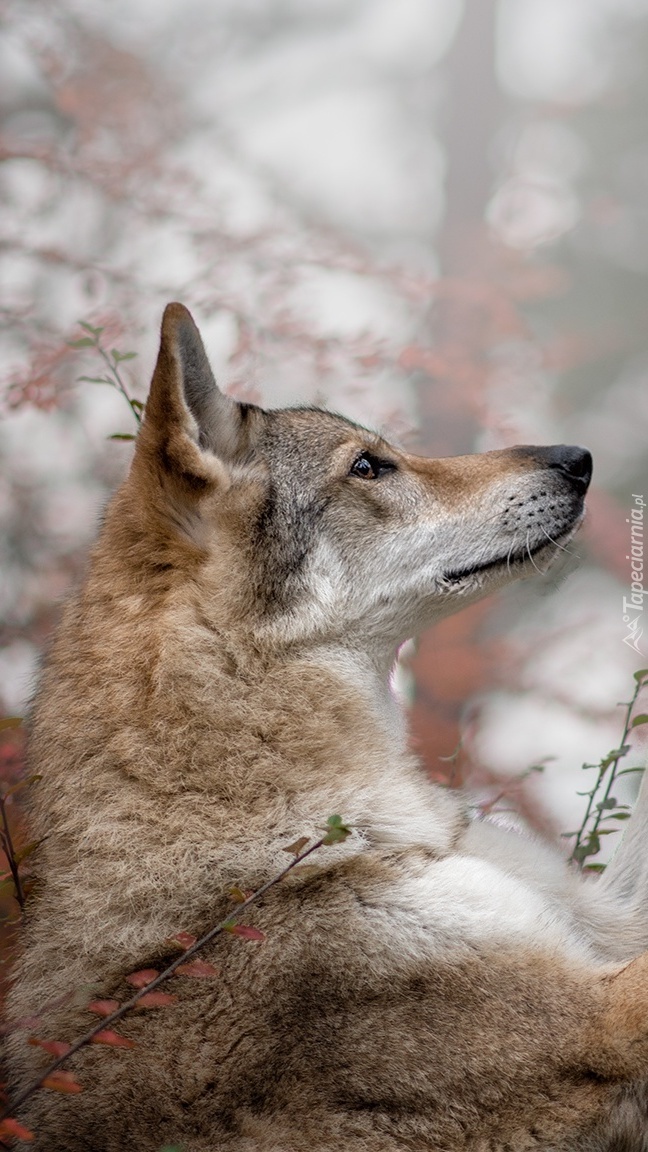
{"points": [[473, 111], [473, 107], [450, 663]]}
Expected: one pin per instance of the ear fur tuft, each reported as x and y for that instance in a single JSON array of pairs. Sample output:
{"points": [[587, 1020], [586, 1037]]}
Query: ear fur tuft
{"points": [[189, 426]]}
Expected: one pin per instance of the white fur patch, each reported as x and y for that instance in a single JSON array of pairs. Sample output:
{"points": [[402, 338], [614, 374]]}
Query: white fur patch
{"points": [[462, 902]]}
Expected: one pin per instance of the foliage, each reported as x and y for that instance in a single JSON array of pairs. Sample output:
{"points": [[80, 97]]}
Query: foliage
{"points": [[113, 375], [602, 805], [572, 312], [147, 980]]}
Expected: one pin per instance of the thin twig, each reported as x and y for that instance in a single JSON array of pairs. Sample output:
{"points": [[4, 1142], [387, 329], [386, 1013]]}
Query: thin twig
{"points": [[105, 1023], [10, 853], [610, 762], [591, 795], [119, 383], [621, 751], [112, 362]]}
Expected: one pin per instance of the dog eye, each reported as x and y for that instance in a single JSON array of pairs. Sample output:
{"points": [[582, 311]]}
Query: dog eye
{"points": [[369, 467]]}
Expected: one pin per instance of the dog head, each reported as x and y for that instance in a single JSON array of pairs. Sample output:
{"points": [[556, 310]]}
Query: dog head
{"points": [[314, 528]]}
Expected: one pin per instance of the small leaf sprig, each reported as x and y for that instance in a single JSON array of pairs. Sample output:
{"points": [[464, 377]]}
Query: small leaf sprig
{"points": [[602, 806], [112, 376], [147, 981]]}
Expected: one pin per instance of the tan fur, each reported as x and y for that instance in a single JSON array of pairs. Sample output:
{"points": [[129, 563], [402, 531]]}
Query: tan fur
{"points": [[212, 694]]}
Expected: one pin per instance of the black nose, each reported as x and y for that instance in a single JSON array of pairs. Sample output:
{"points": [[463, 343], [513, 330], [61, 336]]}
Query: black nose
{"points": [[574, 462]]}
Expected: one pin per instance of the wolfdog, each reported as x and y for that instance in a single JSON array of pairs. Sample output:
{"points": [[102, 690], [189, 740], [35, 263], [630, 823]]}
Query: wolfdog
{"points": [[219, 687]]}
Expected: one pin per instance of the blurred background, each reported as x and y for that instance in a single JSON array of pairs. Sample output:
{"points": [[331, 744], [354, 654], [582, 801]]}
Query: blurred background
{"points": [[429, 215]]}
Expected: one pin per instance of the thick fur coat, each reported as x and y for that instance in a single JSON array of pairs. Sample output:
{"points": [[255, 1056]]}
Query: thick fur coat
{"points": [[218, 688]]}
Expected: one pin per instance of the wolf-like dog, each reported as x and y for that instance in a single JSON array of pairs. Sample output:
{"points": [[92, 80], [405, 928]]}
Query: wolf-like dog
{"points": [[219, 687]]}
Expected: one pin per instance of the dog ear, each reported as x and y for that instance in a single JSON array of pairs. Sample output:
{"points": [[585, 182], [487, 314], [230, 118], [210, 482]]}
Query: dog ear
{"points": [[190, 428]]}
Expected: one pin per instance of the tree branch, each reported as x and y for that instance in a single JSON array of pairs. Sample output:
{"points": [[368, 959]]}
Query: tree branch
{"points": [[336, 832]]}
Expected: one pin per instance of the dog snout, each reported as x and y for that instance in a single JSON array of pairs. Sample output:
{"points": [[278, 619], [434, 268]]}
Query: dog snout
{"points": [[572, 461]]}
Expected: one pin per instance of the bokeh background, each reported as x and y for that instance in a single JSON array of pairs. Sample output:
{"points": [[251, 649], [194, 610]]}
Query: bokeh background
{"points": [[429, 215]]}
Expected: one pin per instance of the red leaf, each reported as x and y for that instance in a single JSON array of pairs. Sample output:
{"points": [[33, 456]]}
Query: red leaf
{"points": [[54, 1047], [298, 846], [113, 1039], [143, 977], [157, 999], [184, 939], [246, 932], [103, 1007], [12, 1129], [62, 1082], [198, 968]]}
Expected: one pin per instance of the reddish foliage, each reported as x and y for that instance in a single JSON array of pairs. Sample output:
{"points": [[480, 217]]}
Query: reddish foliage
{"points": [[65, 1082], [143, 977], [199, 969], [41, 380], [246, 932], [450, 665], [54, 1047], [184, 939], [157, 999], [112, 1039], [11, 1129], [103, 1007]]}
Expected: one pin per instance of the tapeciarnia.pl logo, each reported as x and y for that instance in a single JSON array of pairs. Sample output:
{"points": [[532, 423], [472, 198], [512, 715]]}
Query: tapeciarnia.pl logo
{"points": [[633, 605]]}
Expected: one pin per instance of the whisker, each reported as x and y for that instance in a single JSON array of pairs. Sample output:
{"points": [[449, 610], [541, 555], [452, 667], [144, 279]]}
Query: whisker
{"points": [[538, 570], [562, 547]]}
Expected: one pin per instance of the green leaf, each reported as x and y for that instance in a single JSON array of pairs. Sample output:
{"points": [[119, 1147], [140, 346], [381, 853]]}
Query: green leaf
{"points": [[95, 379], [609, 803], [639, 676], [626, 771], [594, 868], [122, 436], [84, 342], [136, 405], [615, 754], [10, 722], [119, 356], [619, 816], [27, 851], [89, 328], [337, 830], [590, 848], [641, 719]]}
